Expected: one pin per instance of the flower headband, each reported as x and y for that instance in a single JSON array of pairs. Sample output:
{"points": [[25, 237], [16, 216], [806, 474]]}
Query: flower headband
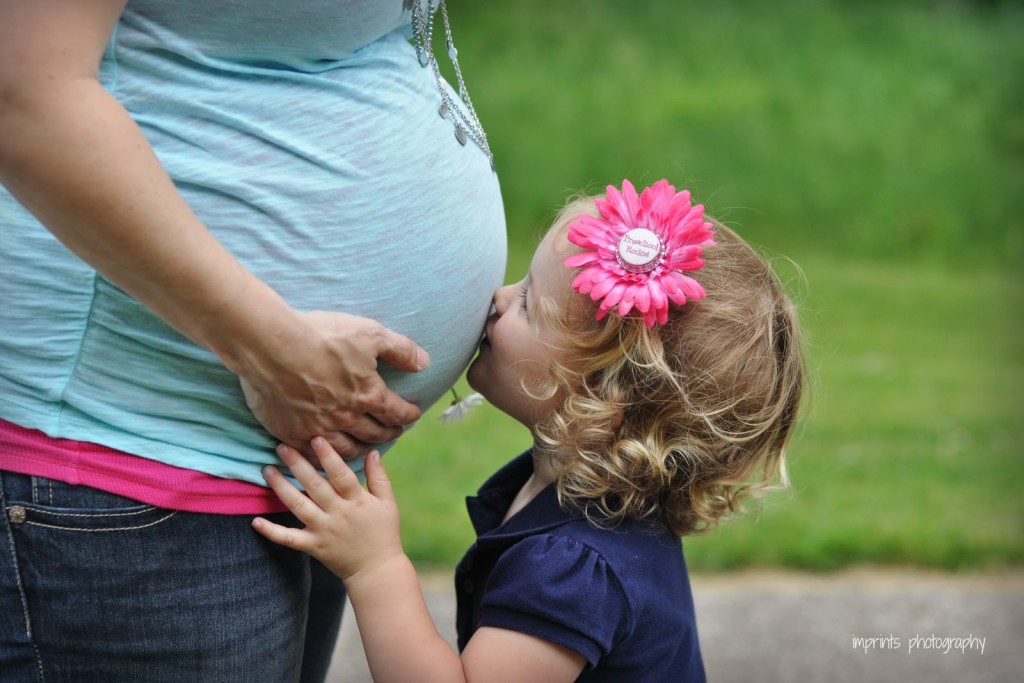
{"points": [[636, 251]]}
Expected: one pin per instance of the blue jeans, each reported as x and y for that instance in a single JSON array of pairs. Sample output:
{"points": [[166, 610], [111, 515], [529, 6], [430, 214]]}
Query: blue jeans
{"points": [[96, 587]]}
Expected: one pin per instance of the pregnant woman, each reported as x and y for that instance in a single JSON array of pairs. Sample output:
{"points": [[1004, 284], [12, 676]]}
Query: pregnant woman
{"points": [[222, 225]]}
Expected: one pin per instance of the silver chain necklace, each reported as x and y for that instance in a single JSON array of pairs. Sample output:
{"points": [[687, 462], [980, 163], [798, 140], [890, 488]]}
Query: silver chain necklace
{"points": [[467, 124]]}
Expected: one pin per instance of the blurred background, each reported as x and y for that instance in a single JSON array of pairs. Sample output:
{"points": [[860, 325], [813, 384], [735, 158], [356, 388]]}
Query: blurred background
{"points": [[875, 150]]}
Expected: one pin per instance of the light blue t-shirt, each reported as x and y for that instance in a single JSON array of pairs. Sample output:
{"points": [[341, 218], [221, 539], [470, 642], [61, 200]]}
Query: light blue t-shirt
{"points": [[306, 137]]}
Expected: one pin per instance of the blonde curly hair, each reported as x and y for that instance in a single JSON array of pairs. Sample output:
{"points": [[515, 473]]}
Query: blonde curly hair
{"points": [[684, 421]]}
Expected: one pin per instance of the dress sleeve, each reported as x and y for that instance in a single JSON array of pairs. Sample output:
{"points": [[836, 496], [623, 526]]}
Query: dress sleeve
{"points": [[560, 590]]}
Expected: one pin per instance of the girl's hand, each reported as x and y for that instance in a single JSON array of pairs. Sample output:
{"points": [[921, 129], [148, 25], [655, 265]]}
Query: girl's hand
{"points": [[351, 530], [354, 532], [321, 377]]}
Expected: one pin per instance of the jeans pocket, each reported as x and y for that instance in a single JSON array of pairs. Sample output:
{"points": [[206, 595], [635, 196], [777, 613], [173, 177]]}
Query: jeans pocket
{"points": [[55, 505]]}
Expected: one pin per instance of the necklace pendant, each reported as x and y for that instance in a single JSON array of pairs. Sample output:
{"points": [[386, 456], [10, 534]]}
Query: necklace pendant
{"points": [[462, 116]]}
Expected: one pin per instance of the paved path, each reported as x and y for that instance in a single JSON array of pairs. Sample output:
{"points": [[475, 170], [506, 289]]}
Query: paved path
{"points": [[801, 628]]}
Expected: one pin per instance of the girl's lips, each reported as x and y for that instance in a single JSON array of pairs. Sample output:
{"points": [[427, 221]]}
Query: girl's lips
{"points": [[488, 330]]}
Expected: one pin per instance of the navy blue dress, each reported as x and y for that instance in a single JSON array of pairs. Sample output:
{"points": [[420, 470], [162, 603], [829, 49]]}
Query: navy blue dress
{"points": [[620, 597]]}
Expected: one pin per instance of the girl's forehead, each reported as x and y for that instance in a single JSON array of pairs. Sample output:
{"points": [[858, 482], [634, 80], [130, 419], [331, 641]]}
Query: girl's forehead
{"points": [[548, 270], [557, 241]]}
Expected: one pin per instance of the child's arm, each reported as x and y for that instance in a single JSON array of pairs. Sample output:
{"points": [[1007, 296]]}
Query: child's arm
{"points": [[355, 533]]}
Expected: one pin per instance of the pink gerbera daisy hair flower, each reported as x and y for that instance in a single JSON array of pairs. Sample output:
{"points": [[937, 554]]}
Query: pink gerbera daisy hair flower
{"points": [[637, 251]]}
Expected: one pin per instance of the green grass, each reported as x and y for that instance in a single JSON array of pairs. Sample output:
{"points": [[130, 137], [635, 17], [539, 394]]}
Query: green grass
{"points": [[877, 129], [881, 145]]}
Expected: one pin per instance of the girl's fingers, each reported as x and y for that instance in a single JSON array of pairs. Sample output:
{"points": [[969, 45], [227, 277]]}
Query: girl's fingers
{"points": [[307, 475], [343, 480], [299, 465], [283, 535], [377, 479], [300, 505]]}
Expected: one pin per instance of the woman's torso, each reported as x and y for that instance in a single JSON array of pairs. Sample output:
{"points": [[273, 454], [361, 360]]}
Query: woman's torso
{"points": [[306, 138]]}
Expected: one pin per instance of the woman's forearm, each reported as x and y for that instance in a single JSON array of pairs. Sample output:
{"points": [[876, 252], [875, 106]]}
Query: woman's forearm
{"points": [[73, 156]]}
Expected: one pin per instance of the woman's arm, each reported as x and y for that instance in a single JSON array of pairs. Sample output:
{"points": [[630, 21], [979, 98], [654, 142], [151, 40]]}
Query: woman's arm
{"points": [[73, 156], [355, 533]]}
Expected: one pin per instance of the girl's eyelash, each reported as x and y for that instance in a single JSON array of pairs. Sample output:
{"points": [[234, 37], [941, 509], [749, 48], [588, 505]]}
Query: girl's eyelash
{"points": [[522, 297]]}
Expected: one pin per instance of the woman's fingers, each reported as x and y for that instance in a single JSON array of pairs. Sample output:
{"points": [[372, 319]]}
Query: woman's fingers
{"points": [[345, 444], [400, 352], [363, 344], [325, 380], [365, 428], [387, 408]]}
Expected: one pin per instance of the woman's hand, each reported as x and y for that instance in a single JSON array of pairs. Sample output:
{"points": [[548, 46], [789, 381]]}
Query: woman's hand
{"points": [[322, 378], [351, 530]]}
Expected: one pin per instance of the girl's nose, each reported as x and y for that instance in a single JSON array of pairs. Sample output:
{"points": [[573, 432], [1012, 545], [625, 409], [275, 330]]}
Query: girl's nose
{"points": [[502, 298]]}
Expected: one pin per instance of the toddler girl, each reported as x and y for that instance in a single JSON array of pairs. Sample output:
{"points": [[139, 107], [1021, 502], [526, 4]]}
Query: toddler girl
{"points": [[656, 361]]}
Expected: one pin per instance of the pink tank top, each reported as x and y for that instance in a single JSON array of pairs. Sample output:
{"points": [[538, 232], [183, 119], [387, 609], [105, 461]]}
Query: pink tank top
{"points": [[28, 451]]}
